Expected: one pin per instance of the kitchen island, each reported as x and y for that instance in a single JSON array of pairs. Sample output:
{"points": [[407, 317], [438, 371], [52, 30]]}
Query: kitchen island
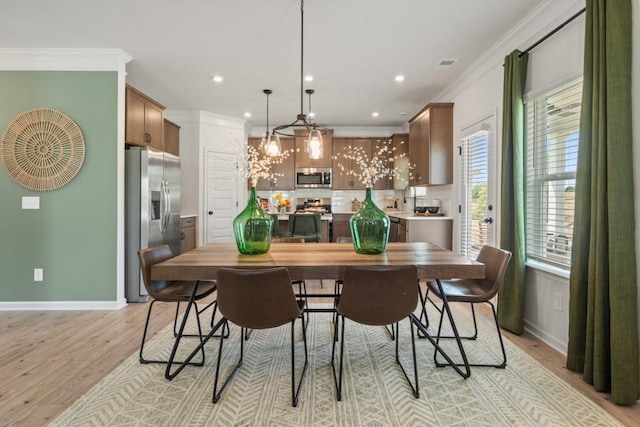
{"points": [[411, 227], [406, 227]]}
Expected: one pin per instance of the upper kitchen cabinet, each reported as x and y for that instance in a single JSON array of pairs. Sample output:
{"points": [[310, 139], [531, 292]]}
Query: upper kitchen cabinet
{"points": [[171, 137], [339, 177], [377, 143], [144, 119], [401, 160], [302, 157], [284, 171], [431, 145]]}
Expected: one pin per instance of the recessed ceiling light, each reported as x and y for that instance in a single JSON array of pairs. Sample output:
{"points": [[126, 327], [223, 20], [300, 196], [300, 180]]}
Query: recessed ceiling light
{"points": [[375, 114], [247, 114], [217, 79], [308, 78], [399, 78]]}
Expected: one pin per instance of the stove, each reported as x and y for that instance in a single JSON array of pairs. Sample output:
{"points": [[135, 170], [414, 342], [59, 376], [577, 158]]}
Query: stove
{"points": [[313, 205]]}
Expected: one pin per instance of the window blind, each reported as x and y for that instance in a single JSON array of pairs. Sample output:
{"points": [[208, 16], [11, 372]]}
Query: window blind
{"points": [[553, 125], [473, 209]]}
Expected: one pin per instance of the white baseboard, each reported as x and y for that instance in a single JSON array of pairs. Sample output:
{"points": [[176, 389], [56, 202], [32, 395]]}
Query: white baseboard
{"points": [[61, 305], [551, 341]]}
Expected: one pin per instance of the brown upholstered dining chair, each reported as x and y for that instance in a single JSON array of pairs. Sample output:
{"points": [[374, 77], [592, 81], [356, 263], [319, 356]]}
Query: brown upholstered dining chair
{"points": [[474, 291], [302, 286], [377, 296], [259, 299], [172, 292]]}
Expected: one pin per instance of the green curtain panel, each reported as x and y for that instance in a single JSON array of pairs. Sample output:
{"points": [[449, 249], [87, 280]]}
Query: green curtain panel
{"points": [[603, 327], [512, 226]]}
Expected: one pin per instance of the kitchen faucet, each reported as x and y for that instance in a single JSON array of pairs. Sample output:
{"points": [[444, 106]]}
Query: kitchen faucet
{"points": [[404, 194]]}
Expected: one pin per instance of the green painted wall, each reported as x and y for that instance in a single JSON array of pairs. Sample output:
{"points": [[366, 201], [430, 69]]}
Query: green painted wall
{"points": [[73, 234]]}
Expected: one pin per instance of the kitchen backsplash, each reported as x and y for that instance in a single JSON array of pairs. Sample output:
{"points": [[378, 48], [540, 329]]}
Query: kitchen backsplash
{"points": [[341, 200]]}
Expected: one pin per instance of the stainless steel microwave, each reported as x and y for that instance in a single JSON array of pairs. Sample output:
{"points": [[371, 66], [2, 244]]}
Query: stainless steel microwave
{"points": [[313, 177]]}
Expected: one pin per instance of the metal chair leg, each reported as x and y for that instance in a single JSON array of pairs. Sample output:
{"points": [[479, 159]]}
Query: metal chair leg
{"points": [[141, 357], [295, 392], [337, 378], [414, 389], [218, 394]]}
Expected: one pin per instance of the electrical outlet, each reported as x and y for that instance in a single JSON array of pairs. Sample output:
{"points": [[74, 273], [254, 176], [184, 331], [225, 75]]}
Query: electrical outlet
{"points": [[557, 301], [38, 274]]}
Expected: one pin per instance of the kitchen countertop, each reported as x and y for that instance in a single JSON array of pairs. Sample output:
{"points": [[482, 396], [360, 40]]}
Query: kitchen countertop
{"points": [[285, 217], [410, 216]]}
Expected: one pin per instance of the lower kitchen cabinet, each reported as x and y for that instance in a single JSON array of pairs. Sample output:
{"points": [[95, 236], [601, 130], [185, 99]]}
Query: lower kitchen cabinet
{"points": [[341, 225], [187, 234]]}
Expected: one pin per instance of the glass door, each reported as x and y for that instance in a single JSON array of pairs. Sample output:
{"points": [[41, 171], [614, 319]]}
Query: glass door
{"points": [[477, 208]]}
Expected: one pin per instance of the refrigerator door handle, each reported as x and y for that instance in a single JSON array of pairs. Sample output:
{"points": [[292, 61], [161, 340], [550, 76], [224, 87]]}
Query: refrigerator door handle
{"points": [[163, 206], [167, 216]]}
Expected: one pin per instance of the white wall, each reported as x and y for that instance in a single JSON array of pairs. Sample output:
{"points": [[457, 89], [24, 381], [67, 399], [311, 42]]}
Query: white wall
{"points": [[478, 93], [201, 132]]}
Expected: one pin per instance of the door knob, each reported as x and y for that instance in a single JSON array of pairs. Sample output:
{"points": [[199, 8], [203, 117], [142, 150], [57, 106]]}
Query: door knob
{"points": [[488, 220], [210, 212]]}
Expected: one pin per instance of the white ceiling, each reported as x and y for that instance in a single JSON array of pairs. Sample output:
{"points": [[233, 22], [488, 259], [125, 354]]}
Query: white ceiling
{"points": [[353, 48]]}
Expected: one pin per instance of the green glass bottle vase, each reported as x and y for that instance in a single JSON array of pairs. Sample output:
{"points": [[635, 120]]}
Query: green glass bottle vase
{"points": [[252, 228], [369, 227]]}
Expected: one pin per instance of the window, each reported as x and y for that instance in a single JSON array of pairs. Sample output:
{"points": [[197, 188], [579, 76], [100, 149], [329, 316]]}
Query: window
{"points": [[553, 125], [474, 230]]}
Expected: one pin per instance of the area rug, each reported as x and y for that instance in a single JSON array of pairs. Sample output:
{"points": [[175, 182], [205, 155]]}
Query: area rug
{"points": [[375, 393]]}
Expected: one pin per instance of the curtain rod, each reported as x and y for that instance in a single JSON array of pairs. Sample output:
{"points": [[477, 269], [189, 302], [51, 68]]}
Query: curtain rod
{"points": [[555, 30]]}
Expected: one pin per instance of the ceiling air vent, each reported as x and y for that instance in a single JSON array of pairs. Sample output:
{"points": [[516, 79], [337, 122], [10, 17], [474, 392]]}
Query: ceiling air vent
{"points": [[445, 64]]}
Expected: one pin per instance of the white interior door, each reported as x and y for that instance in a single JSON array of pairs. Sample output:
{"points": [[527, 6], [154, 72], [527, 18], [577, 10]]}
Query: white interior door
{"points": [[221, 196], [477, 207]]}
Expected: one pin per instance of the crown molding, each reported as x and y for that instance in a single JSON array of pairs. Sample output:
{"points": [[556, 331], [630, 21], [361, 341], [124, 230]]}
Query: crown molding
{"points": [[206, 118], [63, 59]]}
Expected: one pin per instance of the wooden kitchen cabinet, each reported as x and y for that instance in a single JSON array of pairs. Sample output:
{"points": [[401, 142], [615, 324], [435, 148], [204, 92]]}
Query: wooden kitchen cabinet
{"points": [[340, 224], [187, 234], [431, 145], [340, 180], [144, 120], [171, 137], [402, 231], [377, 143], [401, 154], [302, 159], [285, 171]]}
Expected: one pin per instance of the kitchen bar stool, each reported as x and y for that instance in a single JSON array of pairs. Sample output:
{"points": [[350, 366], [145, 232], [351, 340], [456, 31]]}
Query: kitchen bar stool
{"points": [[305, 225]]}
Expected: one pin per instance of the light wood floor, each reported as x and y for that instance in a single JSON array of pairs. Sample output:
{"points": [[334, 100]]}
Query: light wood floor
{"points": [[49, 359]]}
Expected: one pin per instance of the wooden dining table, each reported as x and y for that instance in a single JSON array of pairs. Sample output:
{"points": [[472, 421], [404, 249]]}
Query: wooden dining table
{"points": [[317, 261], [323, 261]]}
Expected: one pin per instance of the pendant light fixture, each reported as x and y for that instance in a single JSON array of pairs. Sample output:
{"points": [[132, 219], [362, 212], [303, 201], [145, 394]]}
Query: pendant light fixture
{"points": [[271, 143], [313, 143]]}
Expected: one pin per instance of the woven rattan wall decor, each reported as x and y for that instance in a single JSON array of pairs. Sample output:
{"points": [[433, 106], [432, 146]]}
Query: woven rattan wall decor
{"points": [[42, 149]]}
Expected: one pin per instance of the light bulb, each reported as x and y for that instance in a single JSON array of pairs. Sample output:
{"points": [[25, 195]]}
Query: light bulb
{"points": [[273, 146], [314, 144]]}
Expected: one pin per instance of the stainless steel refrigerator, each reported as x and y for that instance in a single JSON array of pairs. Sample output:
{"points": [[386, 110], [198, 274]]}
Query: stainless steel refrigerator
{"points": [[152, 204]]}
